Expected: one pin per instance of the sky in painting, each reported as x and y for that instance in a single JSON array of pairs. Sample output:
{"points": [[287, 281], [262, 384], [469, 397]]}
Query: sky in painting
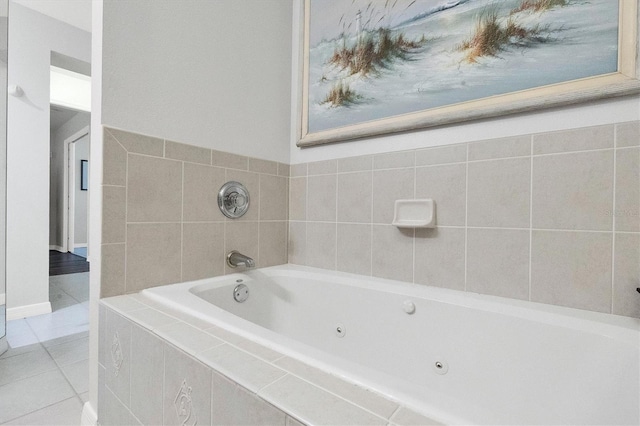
{"points": [[327, 15]]}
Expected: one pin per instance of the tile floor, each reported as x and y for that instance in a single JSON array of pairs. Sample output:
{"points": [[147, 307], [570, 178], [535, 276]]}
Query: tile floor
{"points": [[44, 376]]}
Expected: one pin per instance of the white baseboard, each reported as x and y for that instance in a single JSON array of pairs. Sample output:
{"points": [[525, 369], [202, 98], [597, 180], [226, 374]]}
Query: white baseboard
{"points": [[56, 248], [89, 415], [3, 299], [28, 311]]}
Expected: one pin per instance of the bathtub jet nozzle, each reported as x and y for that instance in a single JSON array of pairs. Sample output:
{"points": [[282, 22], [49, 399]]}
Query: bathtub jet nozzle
{"points": [[235, 259]]}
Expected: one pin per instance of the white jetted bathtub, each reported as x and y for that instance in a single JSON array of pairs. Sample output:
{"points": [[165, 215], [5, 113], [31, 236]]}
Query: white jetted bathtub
{"points": [[456, 357]]}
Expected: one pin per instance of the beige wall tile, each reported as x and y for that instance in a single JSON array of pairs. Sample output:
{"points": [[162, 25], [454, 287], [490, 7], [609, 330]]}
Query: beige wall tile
{"points": [[298, 170], [284, 170], [139, 144], [180, 151], [583, 139], [392, 253], [112, 271], [154, 189], [573, 191], [440, 258], [572, 269], [114, 214], [498, 262], [203, 253], [153, 255], [298, 198], [321, 198], [516, 146], [499, 193], [273, 243], [446, 185], [354, 197], [114, 162], [354, 248], [243, 237], [394, 160], [355, 164], [252, 182], [201, 186], [263, 166], [274, 197], [322, 167], [389, 186], [321, 245], [442, 155], [297, 243], [627, 211], [626, 275], [228, 160], [628, 134]]}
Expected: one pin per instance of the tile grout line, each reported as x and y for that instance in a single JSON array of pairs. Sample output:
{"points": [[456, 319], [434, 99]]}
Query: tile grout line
{"points": [[413, 239], [181, 225], [466, 216], [335, 260], [306, 215], [371, 224], [126, 218], [613, 220], [530, 216]]}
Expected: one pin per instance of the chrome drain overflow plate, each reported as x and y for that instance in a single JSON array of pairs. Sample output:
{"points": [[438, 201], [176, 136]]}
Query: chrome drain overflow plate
{"points": [[241, 293], [340, 330]]}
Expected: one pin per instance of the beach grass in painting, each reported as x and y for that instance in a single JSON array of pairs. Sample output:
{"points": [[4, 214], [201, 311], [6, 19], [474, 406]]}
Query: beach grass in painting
{"points": [[372, 59]]}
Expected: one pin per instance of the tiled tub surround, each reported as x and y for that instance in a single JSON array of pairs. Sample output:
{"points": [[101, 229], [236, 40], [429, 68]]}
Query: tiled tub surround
{"points": [[161, 222], [551, 217], [489, 348], [158, 367]]}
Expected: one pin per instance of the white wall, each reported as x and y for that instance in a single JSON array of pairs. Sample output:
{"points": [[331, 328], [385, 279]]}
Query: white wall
{"points": [[32, 37], [3, 151], [89, 415], [209, 73], [56, 202], [589, 114], [81, 197]]}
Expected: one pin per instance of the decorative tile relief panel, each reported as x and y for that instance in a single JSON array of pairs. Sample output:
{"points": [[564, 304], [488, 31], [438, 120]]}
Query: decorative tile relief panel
{"points": [[184, 406], [161, 222], [551, 218], [116, 354]]}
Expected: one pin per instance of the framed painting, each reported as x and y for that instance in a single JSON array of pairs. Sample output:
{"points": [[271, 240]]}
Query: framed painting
{"points": [[84, 175], [373, 67]]}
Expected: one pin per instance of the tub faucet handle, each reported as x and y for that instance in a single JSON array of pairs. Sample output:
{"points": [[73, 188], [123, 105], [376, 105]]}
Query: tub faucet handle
{"points": [[235, 259]]}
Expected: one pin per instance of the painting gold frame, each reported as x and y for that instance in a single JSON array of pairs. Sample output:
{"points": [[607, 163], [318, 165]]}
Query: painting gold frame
{"points": [[624, 82]]}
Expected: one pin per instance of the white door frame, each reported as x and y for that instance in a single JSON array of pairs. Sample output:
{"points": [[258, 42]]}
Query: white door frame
{"points": [[68, 195]]}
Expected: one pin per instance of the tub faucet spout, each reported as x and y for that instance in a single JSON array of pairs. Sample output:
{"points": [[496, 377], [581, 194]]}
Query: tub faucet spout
{"points": [[235, 259]]}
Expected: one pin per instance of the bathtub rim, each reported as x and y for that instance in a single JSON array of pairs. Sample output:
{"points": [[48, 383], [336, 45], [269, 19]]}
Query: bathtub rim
{"points": [[611, 325]]}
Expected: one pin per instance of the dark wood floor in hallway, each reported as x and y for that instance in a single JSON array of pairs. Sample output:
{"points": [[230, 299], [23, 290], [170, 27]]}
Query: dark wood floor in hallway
{"points": [[66, 263]]}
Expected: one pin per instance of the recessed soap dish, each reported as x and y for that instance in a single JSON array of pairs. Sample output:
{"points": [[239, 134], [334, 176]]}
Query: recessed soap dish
{"points": [[414, 214]]}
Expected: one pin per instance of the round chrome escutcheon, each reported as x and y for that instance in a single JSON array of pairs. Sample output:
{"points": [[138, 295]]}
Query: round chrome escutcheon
{"points": [[233, 199]]}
